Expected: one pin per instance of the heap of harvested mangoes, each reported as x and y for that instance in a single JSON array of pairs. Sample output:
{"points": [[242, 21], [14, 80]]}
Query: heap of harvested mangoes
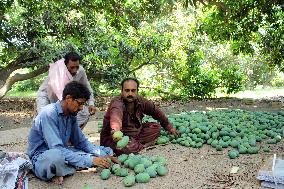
{"points": [[135, 168], [243, 132]]}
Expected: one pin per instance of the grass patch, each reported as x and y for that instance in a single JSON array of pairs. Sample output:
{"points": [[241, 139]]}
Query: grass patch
{"points": [[260, 93], [25, 94], [256, 93]]}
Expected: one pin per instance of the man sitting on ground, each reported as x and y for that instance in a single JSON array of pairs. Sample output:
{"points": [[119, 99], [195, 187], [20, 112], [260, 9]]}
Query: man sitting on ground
{"points": [[53, 128], [125, 113]]}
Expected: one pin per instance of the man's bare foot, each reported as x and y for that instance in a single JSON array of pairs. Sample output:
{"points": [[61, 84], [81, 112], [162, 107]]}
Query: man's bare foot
{"points": [[57, 180]]}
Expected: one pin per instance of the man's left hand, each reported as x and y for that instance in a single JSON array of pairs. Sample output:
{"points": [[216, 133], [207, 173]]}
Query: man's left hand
{"points": [[92, 110], [174, 132]]}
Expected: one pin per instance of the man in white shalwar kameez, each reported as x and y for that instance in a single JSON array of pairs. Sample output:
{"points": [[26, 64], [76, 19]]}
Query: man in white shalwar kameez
{"points": [[60, 73]]}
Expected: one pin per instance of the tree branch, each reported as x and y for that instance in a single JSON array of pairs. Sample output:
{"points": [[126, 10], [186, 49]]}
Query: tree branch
{"points": [[20, 77], [96, 75], [22, 59], [219, 4], [160, 91], [140, 66]]}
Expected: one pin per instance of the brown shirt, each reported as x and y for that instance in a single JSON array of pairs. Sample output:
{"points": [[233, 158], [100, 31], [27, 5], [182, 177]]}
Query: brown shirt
{"points": [[118, 118]]}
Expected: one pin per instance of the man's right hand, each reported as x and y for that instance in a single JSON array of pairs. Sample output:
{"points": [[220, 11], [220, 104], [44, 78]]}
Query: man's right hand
{"points": [[101, 162], [174, 132]]}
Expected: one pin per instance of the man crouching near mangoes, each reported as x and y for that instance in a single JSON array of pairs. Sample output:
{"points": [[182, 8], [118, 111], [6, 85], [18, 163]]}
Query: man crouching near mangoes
{"points": [[125, 114], [53, 128]]}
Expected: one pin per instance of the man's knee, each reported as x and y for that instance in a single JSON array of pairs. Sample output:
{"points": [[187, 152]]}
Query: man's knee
{"points": [[50, 157], [46, 164], [151, 128]]}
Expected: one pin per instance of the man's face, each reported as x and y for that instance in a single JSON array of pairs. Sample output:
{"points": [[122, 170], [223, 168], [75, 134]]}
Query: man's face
{"points": [[73, 67], [75, 105], [129, 91]]}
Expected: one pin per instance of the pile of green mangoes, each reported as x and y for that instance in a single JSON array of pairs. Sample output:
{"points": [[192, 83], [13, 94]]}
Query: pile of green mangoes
{"points": [[136, 168], [241, 130]]}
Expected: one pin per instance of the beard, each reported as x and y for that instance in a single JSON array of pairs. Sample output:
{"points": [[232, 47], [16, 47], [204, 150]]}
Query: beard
{"points": [[129, 99], [74, 113]]}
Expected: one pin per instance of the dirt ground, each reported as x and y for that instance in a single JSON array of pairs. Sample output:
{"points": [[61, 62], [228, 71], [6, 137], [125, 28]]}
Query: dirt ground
{"points": [[188, 167]]}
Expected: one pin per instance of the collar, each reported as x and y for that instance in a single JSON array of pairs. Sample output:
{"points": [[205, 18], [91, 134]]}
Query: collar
{"points": [[58, 108], [137, 102]]}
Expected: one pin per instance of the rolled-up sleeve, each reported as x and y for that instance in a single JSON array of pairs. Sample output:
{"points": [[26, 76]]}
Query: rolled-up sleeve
{"points": [[84, 80], [151, 109], [81, 142], [116, 115]]}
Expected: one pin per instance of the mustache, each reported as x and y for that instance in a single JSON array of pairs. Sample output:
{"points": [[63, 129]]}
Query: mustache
{"points": [[129, 96]]}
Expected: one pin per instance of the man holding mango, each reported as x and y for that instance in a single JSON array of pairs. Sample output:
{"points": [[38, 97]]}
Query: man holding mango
{"points": [[123, 129]]}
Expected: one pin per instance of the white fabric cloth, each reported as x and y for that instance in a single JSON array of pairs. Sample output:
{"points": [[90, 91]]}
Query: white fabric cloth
{"points": [[58, 77], [271, 185], [272, 175], [13, 170]]}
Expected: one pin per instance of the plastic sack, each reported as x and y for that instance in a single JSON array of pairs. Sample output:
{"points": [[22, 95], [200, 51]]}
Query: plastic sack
{"points": [[272, 173]]}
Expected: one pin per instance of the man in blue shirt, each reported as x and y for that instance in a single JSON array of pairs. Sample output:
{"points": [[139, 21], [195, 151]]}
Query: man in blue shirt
{"points": [[53, 128]]}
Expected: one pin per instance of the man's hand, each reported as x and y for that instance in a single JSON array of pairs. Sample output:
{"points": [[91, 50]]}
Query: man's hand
{"points": [[114, 159], [101, 162], [174, 132], [92, 110]]}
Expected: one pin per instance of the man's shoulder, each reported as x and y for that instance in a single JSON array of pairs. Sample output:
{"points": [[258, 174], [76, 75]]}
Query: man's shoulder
{"points": [[49, 109], [116, 99], [142, 99], [81, 69], [116, 102]]}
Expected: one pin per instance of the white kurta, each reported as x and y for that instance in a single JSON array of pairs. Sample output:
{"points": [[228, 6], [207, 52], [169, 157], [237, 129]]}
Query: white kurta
{"points": [[45, 96]]}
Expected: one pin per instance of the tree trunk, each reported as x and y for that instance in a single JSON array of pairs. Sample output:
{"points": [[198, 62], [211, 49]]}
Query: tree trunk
{"points": [[7, 85]]}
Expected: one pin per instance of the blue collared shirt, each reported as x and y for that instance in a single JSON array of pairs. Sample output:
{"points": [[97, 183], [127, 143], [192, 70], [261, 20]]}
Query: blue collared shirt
{"points": [[52, 130]]}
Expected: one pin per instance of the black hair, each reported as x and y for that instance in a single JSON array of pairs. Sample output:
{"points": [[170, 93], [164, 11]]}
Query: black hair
{"points": [[76, 90], [129, 79], [73, 56]]}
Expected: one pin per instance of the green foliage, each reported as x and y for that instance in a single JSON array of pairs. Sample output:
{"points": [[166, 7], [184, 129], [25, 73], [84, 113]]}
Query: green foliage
{"points": [[177, 53], [248, 25], [30, 84], [278, 80], [232, 79]]}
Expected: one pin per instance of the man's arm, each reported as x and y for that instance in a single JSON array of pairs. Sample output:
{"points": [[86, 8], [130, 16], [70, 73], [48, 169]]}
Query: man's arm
{"points": [[81, 142], [149, 108], [84, 80], [51, 135], [116, 115], [42, 96]]}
